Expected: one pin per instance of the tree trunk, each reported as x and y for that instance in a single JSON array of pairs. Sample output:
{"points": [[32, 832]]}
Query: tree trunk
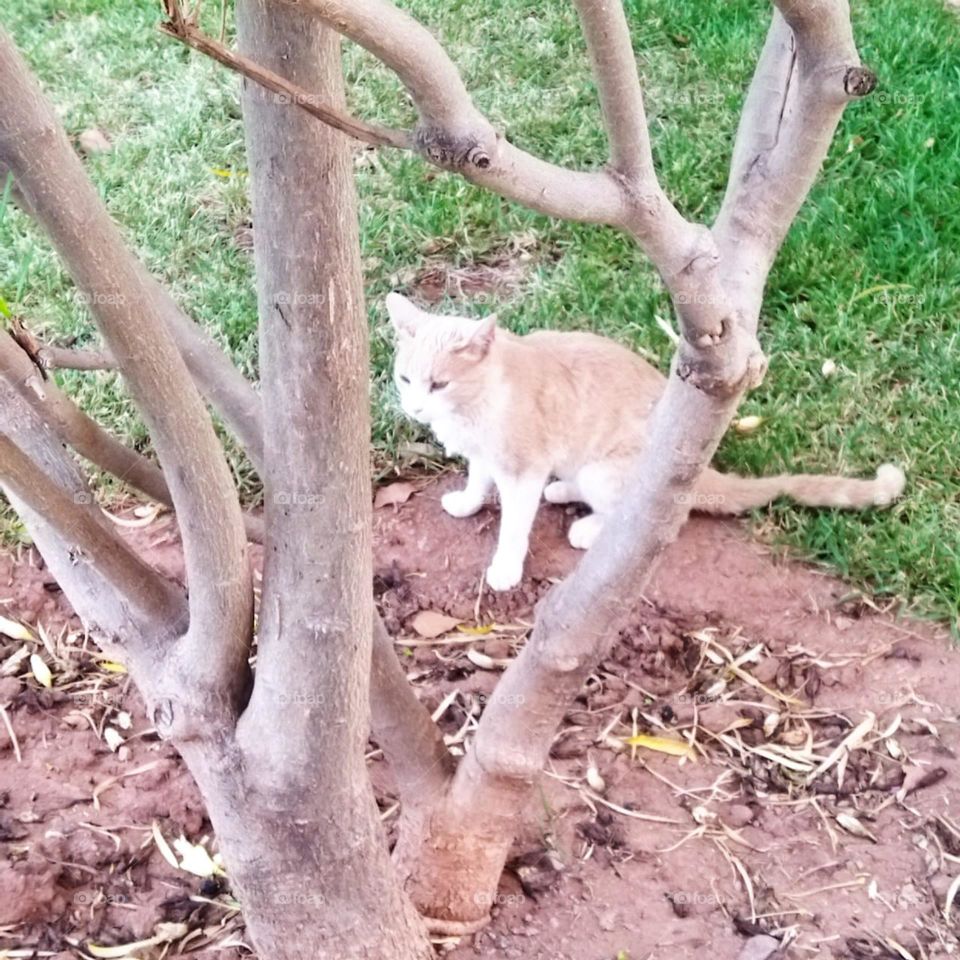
{"points": [[319, 817]]}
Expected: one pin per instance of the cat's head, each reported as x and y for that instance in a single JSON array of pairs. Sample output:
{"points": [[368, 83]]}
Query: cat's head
{"points": [[440, 361]]}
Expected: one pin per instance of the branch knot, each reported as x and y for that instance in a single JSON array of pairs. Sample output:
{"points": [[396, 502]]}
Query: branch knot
{"points": [[859, 81], [450, 151], [725, 367]]}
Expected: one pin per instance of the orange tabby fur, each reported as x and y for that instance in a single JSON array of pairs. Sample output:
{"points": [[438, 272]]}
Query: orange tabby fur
{"points": [[571, 406]]}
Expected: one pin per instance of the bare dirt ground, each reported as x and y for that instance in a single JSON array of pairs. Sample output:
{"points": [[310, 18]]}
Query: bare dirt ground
{"points": [[817, 801]]}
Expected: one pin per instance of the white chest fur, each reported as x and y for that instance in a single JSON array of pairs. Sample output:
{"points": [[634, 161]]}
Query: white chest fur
{"points": [[460, 438]]}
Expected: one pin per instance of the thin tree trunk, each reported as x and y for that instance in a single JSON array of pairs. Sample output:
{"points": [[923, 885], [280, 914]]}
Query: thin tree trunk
{"points": [[320, 817]]}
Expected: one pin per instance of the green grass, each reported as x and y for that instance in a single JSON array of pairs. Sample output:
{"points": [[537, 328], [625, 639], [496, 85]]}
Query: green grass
{"points": [[867, 278]]}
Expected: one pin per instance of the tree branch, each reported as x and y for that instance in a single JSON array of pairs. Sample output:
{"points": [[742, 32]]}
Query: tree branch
{"points": [[183, 29], [809, 70], [615, 67], [75, 521], [402, 726], [133, 324], [83, 433], [64, 358], [225, 388], [452, 134], [473, 149]]}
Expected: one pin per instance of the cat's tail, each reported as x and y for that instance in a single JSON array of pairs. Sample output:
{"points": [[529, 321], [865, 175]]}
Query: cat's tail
{"points": [[727, 493]]}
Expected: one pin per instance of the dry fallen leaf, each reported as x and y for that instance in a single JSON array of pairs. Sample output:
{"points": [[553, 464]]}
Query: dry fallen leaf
{"points": [[166, 933], [143, 519], [898, 948], [951, 896], [11, 666], [393, 495], [852, 825], [40, 670], [430, 623], [195, 859], [770, 724], [849, 743], [164, 847], [594, 780], [481, 660], [676, 748], [14, 630], [111, 666], [94, 140]]}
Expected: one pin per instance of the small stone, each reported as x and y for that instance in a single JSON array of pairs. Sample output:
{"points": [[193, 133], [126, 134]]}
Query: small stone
{"points": [[737, 815], [760, 948], [9, 689], [497, 648], [766, 670], [607, 921], [93, 141]]}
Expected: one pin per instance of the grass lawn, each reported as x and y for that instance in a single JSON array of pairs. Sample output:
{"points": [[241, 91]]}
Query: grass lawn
{"points": [[868, 276]]}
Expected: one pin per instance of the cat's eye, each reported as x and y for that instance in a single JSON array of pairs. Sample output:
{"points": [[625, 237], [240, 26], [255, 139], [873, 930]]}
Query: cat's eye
{"points": [[438, 385], [404, 379]]}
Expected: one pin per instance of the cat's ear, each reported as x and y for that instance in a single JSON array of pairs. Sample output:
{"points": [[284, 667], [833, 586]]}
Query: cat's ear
{"points": [[477, 342], [405, 316]]}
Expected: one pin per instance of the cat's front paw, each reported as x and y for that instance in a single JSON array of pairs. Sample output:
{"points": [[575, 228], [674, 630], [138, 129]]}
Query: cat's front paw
{"points": [[504, 574], [459, 503]]}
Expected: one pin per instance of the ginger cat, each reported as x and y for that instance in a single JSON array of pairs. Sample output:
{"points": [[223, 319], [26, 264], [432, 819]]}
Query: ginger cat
{"points": [[567, 406]]}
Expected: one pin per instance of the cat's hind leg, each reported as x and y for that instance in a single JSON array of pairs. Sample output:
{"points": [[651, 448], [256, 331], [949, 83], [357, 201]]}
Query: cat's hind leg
{"points": [[601, 486], [466, 502], [562, 491], [584, 531]]}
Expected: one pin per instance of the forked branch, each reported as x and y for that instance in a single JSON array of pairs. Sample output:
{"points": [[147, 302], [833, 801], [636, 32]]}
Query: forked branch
{"points": [[48, 357], [454, 135], [223, 385], [130, 315]]}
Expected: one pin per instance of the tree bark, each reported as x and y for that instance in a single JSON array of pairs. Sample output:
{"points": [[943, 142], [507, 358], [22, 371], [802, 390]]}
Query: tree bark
{"points": [[316, 622], [225, 387], [84, 434]]}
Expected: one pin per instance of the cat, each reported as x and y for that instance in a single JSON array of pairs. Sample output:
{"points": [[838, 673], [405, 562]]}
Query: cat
{"points": [[562, 414]]}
